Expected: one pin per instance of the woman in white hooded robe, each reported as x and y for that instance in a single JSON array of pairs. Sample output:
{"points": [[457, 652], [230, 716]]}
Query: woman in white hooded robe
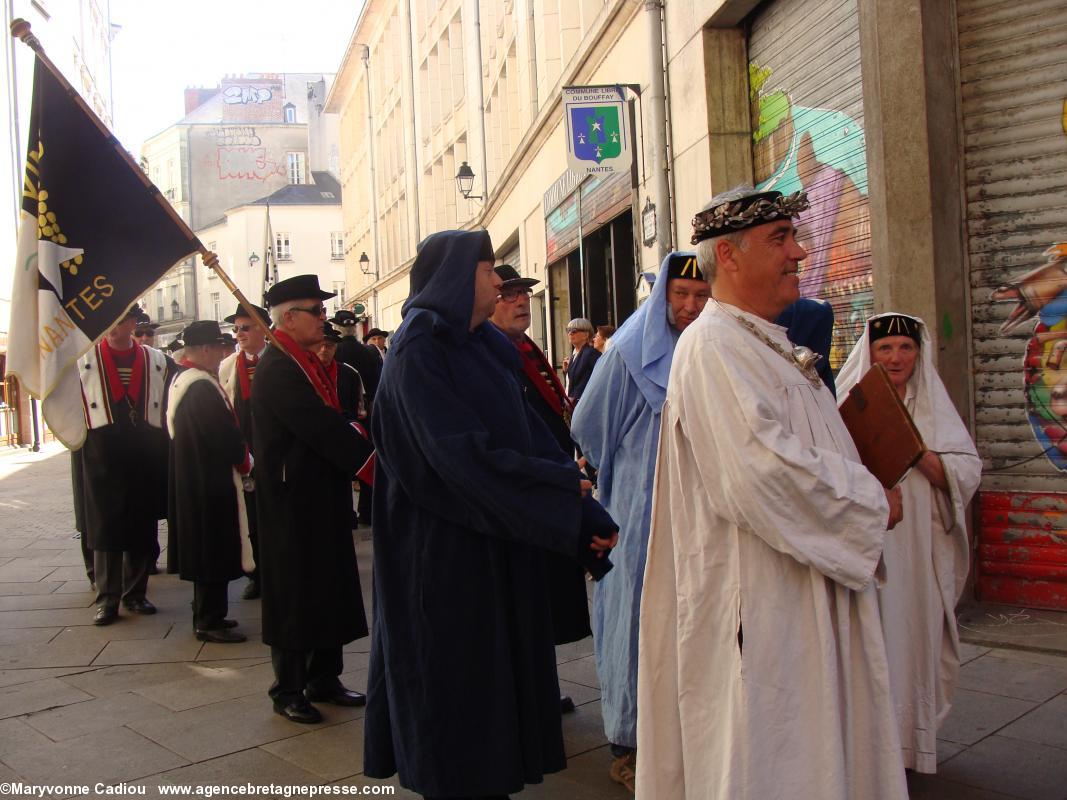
{"points": [[927, 555]]}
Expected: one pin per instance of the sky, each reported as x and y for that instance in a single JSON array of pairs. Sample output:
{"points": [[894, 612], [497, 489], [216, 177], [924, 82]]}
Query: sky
{"points": [[166, 45]]}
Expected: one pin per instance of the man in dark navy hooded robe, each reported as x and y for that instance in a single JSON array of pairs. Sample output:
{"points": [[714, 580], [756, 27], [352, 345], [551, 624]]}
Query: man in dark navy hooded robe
{"points": [[470, 494]]}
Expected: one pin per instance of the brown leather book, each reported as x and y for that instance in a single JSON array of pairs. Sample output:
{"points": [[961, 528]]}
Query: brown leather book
{"points": [[885, 435]]}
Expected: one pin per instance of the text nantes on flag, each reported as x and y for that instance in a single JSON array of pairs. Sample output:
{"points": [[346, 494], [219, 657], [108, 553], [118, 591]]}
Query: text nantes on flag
{"points": [[598, 136], [93, 238]]}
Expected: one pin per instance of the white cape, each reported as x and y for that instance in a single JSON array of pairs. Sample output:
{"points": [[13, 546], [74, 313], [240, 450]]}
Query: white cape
{"points": [[764, 525], [927, 559]]}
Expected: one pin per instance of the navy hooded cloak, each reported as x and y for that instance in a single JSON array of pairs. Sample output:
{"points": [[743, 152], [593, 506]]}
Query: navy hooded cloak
{"points": [[470, 491]]}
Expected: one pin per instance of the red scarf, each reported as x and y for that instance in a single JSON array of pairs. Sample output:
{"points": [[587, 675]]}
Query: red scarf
{"points": [[331, 370], [242, 374], [551, 389], [312, 368], [114, 381]]}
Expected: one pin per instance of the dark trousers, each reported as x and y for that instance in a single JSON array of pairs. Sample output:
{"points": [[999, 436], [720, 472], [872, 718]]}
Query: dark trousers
{"points": [[210, 604], [120, 575], [89, 558], [253, 532], [296, 670], [363, 505]]}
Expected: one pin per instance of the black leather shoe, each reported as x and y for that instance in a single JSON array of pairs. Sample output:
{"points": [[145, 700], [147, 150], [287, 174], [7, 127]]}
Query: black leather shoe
{"points": [[221, 636], [299, 711], [252, 591], [228, 623], [566, 705], [338, 697], [105, 615], [141, 606], [154, 569]]}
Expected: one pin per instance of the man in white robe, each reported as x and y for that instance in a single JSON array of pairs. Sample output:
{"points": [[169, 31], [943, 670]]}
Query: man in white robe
{"points": [[928, 555], [762, 670]]}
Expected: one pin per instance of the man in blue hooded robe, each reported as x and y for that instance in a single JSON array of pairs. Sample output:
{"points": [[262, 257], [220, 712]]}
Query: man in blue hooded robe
{"points": [[470, 493], [617, 427]]}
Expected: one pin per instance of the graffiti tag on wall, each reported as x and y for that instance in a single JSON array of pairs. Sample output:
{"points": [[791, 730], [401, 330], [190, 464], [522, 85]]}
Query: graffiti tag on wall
{"points": [[236, 136], [233, 95], [246, 163], [822, 152], [1041, 294]]}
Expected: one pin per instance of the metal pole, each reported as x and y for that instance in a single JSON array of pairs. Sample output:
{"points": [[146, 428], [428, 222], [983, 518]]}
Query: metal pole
{"points": [[373, 180], [658, 109]]}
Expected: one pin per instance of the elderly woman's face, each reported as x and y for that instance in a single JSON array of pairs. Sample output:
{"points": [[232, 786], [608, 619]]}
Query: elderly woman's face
{"points": [[898, 355]]}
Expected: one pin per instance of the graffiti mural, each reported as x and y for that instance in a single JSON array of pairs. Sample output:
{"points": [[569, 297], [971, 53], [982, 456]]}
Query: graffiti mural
{"points": [[820, 151], [246, 163], [233, 95]]}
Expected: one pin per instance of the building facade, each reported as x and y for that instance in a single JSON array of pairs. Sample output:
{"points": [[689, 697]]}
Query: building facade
{"points": [[930, 136]]}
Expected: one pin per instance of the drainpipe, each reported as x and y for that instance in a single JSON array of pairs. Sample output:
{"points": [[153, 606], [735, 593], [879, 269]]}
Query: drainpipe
{"points": [[657, 109], [476, 98], [412, 130], [373, 184]]}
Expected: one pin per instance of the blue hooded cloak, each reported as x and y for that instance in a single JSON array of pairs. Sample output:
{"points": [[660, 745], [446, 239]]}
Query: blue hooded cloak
{"points": [[470, 492]]}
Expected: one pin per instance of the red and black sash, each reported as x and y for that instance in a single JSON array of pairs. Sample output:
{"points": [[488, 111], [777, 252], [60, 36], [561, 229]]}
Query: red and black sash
{"points": [[246, 366], [312, 368], [543, 377]]}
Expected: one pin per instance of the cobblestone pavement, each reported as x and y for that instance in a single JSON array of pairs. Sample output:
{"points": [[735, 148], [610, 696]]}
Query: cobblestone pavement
{"points": [[143, 702]]}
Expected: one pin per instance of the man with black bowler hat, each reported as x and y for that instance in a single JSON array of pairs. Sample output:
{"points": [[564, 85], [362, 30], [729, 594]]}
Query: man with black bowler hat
{"points": [[209, 465], [344, 376], [235, 374], [307, 455], [123, 387]]}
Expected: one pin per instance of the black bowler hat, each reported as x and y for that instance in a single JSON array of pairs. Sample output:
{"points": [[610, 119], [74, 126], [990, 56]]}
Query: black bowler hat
{"points": [[344, 318], [144, 322], [299, 287], [174, 346], [375, 332], [204, 331], [330, 333], [512, 279], [264, 315]]}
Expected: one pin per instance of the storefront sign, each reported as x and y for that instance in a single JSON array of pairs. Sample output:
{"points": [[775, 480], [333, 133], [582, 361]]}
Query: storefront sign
{"points": [[598, 137]]}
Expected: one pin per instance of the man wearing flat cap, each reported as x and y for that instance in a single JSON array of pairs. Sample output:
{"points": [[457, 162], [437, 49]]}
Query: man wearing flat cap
{"points": [[617, 427], [545, 394], [209, 463], [123, 392], [235, 374], [762, 663], [307, 455]]}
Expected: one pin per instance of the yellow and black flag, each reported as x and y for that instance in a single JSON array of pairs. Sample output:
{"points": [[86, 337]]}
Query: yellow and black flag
{"points": [[94, 236]]}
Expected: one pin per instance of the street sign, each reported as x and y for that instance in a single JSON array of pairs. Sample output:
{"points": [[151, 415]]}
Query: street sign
{"points": [[597, 130]]}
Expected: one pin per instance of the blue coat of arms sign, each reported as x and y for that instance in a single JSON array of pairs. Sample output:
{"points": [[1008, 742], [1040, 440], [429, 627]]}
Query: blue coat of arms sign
{"points": [[598, 136]]}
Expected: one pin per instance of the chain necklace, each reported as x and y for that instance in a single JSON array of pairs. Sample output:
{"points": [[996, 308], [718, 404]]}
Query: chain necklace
{"points": [[803, 358]]}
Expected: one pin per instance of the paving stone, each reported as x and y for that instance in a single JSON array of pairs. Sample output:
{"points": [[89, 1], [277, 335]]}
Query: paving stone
{"points": [[969, 652], [13, 677], [23, 573], [1016, 768], [248, 766], [48, 693], [109, 757], [98, 714], [582, 670], [220, 728], [947, 749], [253, 648], [583, 730], [128, 628], [574, 650], [27, 635], [331, 753], [1013, 678], [104, 681], [976, 715], [1046, 724], [37, 602], [68, 573], [1033, 657], [80, 586], [58, 617], [15, 733], [49, 654], [148, 651], [578, 693], [210, 686], [936, 787], [34, 587]]}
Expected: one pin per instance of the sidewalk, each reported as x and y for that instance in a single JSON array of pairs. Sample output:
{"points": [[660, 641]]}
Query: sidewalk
{"points": [[143, 702]]}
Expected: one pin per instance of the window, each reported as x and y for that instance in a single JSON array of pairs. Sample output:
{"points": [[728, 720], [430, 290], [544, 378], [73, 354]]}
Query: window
{"points": [[281, 247], [216, 306], [339, 300], [296, 167], [337, 245], [290, 113], [159, 303]]}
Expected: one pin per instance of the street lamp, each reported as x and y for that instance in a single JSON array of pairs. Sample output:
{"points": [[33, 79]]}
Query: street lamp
{"points": [[465, 180], [253, 260], [364, 263]]}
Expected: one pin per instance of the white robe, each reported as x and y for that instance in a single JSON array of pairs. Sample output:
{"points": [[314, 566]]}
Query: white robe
{"points": [[927, 560], [763, 523]]}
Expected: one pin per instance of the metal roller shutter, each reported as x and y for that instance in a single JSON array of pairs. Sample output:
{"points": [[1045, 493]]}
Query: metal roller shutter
{"points": [[807, 122], [1013, 63]]}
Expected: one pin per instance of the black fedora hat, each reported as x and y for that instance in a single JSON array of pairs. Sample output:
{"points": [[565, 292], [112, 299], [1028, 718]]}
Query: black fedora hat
{"points": [[512, 279], [299, 287], [264, 315], [204, 331], [344, 318], [134, 312], [375, 332], [330, 333]]}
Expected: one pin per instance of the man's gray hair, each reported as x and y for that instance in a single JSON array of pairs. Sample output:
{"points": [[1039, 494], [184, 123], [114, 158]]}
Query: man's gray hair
{"points": [[278, 311]]}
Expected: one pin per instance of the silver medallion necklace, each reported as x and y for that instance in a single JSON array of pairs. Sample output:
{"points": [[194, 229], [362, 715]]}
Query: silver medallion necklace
{"points": [[803, 358]]}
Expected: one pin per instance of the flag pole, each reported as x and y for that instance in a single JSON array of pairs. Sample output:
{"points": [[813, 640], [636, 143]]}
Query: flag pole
{"points": [[21, 30]]}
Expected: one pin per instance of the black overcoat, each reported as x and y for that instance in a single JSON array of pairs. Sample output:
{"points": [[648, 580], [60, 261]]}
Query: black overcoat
{"points": [[364, 359], [306, 457], [470, 492], [205, 533]]}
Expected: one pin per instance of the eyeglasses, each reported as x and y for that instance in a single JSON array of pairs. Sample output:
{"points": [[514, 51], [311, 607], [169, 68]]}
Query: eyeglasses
{"points": [[511, 295], [246, 328], [316, 311], [144, 334]]}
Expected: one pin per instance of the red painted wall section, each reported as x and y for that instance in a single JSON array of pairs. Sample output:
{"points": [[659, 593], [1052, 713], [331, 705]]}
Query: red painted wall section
{"points": [[1022, 548]]}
